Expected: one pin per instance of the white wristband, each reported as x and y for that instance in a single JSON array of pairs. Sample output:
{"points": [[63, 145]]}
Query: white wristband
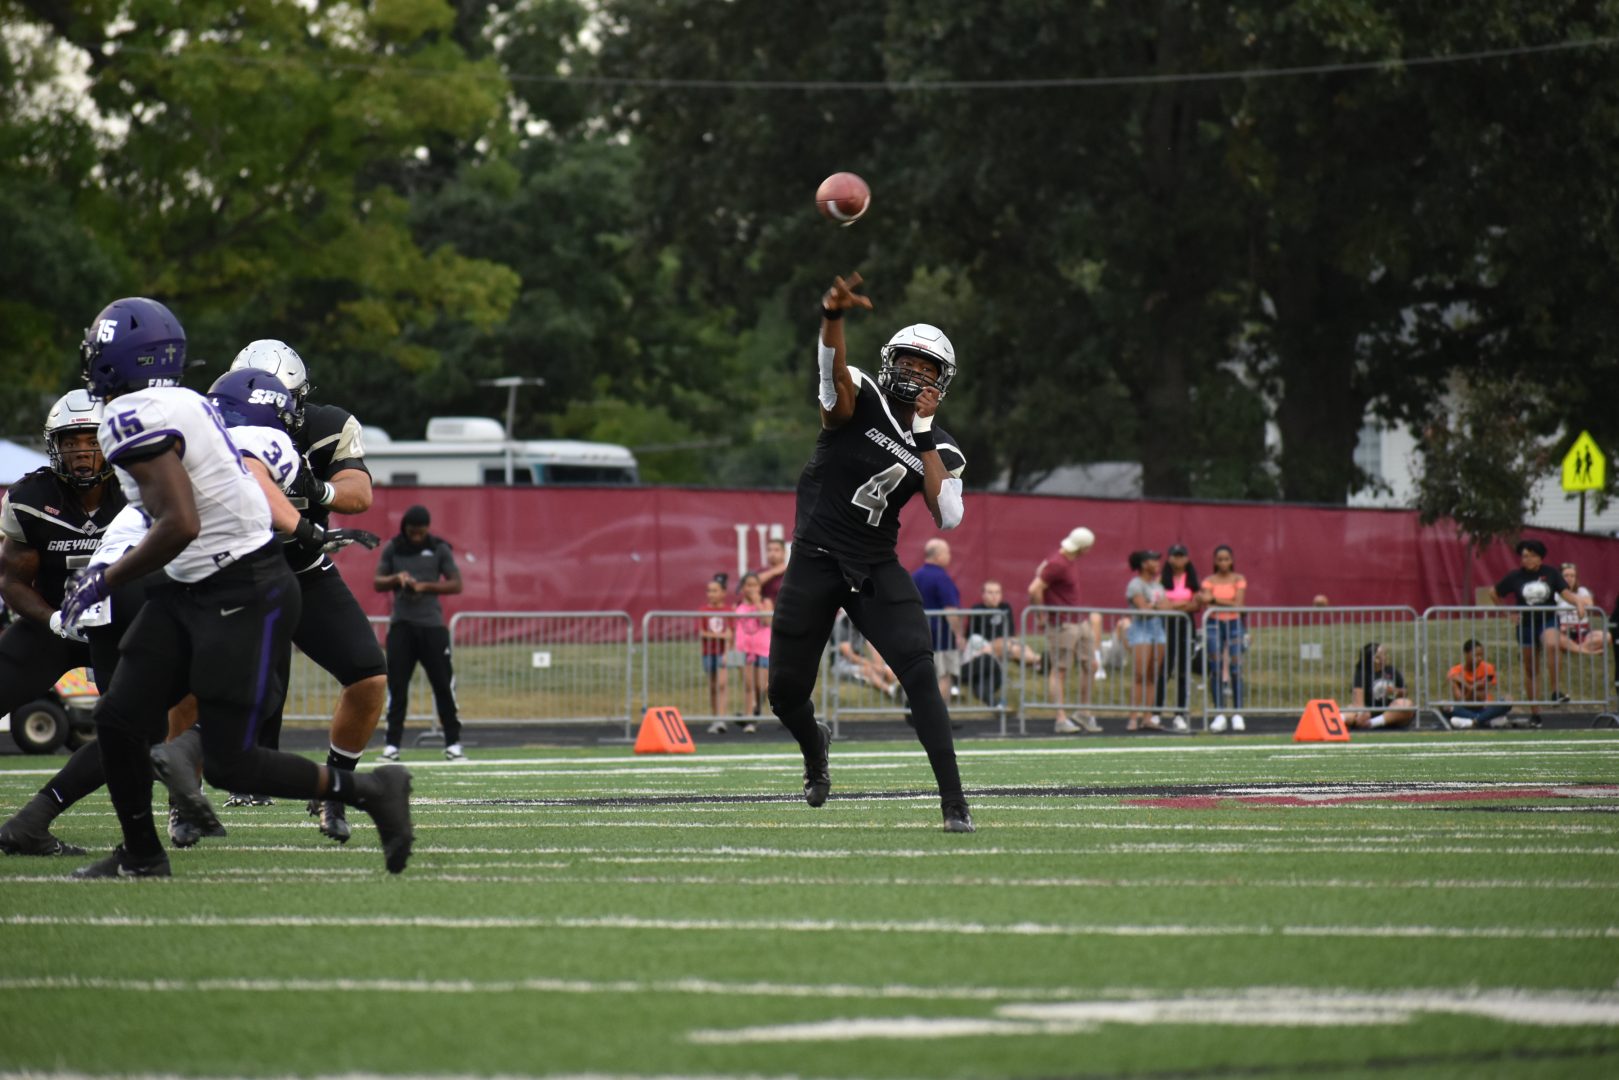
{"points": [[921, 423]]}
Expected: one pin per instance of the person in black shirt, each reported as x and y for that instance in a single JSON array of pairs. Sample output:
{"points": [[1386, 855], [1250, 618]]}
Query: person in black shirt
{"points": [[334, 631], [878, 447], [52, 521], [1537, 587], [1378, 697]]}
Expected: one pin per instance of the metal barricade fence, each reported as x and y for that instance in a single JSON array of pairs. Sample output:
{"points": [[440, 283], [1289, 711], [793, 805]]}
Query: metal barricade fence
{"points": [[560, 667], [984, 677], [312, 693], [707, 679], [1274, 661], [1103, 683], [1572, 660]]}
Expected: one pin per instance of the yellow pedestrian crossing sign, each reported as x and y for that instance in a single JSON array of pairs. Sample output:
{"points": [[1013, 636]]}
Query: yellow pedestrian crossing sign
{"points": [[1585, 469]]}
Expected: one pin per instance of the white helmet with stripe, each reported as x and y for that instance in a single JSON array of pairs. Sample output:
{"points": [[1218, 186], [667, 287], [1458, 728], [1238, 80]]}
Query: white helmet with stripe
{"points": [[74, 411], [918, 339]]}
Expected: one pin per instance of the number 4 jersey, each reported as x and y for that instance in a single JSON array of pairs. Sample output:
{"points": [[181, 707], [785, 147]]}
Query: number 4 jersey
{"points": [[234, 516], [861, 474]]}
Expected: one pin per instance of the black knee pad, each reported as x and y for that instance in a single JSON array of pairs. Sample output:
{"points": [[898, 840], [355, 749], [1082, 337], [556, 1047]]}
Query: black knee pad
{"points": [[804, 708]]}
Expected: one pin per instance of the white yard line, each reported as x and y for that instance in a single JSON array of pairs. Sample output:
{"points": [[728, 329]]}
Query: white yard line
{"points": [[938, 927]]}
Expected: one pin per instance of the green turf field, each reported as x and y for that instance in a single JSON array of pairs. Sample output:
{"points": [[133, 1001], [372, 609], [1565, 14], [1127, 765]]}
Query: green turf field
{"points": [[1404, 906]]}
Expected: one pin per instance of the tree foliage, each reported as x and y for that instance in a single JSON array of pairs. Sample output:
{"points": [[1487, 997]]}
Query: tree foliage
{"points": [[421, 195]]}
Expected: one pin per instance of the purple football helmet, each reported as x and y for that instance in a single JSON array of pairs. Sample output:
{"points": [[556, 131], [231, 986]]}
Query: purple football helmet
{"points": [[134, 343], [253, 398]]}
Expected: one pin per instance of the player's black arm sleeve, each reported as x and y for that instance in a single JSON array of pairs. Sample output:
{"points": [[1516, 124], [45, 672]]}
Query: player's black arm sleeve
{"points": [[19, 569], [167, 498]]}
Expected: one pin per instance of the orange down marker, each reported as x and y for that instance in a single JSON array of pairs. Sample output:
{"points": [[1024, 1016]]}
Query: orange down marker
{"points": [[1321, 722], [663, 732]]}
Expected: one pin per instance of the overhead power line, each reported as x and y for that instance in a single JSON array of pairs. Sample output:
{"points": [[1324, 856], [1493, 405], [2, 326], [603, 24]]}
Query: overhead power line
{"points": [[917, 86]]}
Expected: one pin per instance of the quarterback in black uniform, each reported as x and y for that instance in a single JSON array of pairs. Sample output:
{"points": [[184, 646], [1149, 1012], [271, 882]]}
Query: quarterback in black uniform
{"points": [[877, 448], [334, 631]]}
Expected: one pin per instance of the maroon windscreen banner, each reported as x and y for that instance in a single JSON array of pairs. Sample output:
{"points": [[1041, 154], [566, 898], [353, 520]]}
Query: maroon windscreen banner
{"points": [[640, 549]]}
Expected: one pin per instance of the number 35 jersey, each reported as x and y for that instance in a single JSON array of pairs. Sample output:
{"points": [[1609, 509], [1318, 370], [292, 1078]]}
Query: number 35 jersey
{"points": [[861, 475], [234, 516]]}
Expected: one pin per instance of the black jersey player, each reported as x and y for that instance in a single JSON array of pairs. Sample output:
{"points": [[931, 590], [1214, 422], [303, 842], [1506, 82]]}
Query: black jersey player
{"points": [[878, 447], [52, 521], [335, 632]]}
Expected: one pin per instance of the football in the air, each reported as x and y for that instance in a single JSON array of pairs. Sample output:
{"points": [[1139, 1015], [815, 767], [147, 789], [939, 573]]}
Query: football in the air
{"points": [[843, 197]]}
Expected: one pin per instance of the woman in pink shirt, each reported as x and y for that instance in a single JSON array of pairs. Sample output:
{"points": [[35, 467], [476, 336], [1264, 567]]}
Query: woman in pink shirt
{"points": [[753, 642]]}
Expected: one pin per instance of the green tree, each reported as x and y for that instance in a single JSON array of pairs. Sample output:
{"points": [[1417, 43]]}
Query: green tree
{"points": [[247, 165]]}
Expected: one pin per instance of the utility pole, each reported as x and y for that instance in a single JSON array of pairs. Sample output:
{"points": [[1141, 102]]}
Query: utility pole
{"points": [[511, 383]]}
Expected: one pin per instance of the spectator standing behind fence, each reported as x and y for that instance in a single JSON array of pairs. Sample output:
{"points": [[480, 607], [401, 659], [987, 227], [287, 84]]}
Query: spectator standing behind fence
{"points": [[1473, 681], [1225, 638], [775, 566], [714, 633], [1182, 589], [1146, 637], [753, 642], [1537, 587], [1378, 695], [1574, 629], [418, 568], [1071, 636], [939, 593]]}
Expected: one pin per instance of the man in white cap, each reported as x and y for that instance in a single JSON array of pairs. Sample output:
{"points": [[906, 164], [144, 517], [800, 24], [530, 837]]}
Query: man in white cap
{"points": [[1070, 632]]}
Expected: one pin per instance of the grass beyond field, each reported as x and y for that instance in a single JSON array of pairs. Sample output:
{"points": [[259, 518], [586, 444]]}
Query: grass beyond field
{"points": [[1412, 905]]}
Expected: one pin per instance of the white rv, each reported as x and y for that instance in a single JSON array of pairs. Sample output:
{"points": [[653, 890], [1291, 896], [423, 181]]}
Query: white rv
{"points": [[474, 450]]}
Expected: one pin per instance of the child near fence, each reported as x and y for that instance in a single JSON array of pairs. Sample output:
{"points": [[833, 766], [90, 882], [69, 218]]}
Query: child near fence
{"points": [[714, 634], [753, 642]]}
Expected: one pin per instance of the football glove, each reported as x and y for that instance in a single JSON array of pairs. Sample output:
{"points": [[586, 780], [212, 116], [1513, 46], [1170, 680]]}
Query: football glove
{"points": [[89, 588], [63, 629], [342, 538], [308, 532]]}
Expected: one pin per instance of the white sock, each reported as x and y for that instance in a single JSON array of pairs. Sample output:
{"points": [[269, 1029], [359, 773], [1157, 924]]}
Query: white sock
{"points": [[1377, 721], [453, 748]]}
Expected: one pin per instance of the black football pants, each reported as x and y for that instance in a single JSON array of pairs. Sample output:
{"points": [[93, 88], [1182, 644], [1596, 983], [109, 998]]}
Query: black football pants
{"points": [[333, 632], [409, 645], [888, 611], [221, 638]]}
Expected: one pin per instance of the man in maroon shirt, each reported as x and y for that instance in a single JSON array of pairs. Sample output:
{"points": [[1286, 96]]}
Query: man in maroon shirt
{"points": [[1071, 636], [775, 566]]}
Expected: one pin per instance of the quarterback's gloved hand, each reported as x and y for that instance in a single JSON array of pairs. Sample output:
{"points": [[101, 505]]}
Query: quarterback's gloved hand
{"points": [[87, 589], [64, 629], [342, 538]]}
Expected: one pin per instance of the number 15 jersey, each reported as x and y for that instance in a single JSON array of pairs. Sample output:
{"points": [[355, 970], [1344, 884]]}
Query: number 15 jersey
{"points": [[234, 516], [861, 475]]}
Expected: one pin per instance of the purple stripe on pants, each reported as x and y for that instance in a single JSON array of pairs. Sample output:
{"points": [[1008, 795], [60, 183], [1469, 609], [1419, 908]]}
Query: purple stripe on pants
{"points": [[265, 666]]}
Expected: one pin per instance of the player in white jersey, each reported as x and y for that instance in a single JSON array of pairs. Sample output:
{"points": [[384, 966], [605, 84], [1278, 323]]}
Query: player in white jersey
{"points": [[220, 621], [253, 405]]}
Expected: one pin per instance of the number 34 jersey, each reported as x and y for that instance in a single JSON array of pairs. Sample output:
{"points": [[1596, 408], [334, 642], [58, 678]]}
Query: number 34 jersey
{"points": [[861, 475], [234, 516]]}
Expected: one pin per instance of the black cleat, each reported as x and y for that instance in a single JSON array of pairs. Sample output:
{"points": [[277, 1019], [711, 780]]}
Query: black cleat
{"points": [[241, 798], [184, 834], [334, 823], [957, 819], [387, 800], [818, 770], [178, 772], [17, 839], [121, 864]]}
